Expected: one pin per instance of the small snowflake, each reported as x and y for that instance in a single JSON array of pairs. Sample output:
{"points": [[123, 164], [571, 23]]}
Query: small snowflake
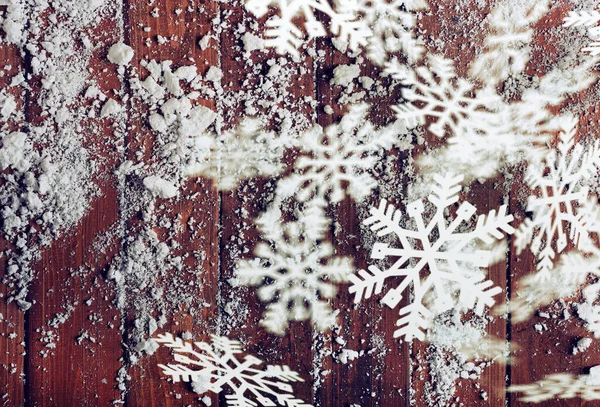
{"points": [[447, 259], [282, 33], [558, 386], [219, 364], [339, 160], [506, 49], [588, 19], [295, 272], [436, 93], [244, 152], [392, 23], [561, 199]]}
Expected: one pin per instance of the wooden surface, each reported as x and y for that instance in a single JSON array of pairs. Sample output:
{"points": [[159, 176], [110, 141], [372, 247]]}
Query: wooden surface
{"points": [[84, 374]]}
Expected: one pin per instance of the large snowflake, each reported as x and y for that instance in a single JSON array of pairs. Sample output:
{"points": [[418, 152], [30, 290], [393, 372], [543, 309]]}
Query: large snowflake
{"points": [[445, 260], [247, 151], [589, 19], [285, 36], [560, 199], [444, 103], [296, 271], [339, 160], [210, 367]]}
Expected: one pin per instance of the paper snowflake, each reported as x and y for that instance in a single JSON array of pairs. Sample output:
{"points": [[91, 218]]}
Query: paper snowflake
{"points": [[560, 199], [296, 271], [392, 24], [286, 37], [339, 160], [588, 19], [210, 367], [443, 262], [495, 140], [247, 151], [436, 93], [558, 386], [506, 48]]}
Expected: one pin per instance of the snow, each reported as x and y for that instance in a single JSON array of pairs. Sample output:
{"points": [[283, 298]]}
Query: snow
{"points": [[252, 42], [160, 187], [13, 152], [111, 107], [120, 54], [343, 75]]}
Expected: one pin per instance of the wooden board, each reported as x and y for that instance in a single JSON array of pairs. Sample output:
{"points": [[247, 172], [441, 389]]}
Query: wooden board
{"points": [[71, 273]]}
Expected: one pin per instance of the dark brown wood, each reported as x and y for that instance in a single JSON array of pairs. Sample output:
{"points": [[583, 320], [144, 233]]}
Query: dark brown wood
{"points": [[72, 299], [12, 322], [72, 272]]}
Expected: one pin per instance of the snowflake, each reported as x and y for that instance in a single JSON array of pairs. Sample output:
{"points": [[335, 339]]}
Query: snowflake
{"points": [[445, 254], [588, 19], [245, 152], [219, 365], [559, 386], [282, 33], [506, 49], [508, 133], [436, 93], [338, 161], [392, 23], [295, 272], [561, 197]]}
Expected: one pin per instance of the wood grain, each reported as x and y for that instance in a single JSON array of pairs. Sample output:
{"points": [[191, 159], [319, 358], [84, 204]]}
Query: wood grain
{"points": [[12, 322], [71, 272]]}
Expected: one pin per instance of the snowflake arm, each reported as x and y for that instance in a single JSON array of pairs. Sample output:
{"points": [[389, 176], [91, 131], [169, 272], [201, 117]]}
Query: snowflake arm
{"points": [[589, 19], [557, 386], [506, 48]]}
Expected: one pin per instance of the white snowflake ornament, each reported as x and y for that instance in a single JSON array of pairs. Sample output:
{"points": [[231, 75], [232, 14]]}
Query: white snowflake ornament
{"points": [[559, 386], [244, 152], [442, 263], [339, 160], [392, 23], [211, 367], [296, 271], [506, 48], [436, 93], [285, 37], [561, 199]]}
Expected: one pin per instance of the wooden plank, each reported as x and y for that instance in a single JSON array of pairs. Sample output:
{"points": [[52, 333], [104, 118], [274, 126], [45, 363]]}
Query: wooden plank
{"points": [[241, 206], [73, 340], [542, 345], [380, 375], [12, 321], [181, 24]]}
